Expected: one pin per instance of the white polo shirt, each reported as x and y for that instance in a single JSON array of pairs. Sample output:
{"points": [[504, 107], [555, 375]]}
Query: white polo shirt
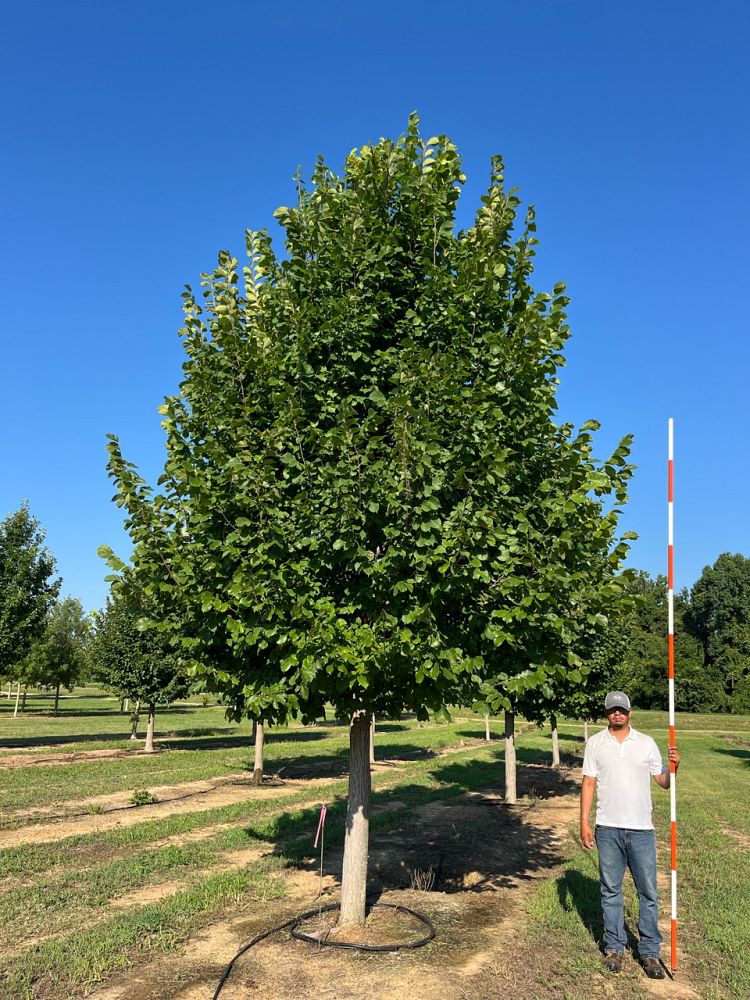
{"points": [[623, 778]]}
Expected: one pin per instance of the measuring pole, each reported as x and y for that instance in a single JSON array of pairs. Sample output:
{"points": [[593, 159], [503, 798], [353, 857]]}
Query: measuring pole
{"points": [[670, 656]]}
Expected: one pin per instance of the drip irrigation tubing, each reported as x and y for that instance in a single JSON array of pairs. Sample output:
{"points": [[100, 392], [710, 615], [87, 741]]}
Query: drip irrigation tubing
{"points": [[294, 923]]}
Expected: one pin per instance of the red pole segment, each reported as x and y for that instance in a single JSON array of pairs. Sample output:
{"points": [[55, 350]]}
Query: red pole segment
{"points": [[670, 657]]}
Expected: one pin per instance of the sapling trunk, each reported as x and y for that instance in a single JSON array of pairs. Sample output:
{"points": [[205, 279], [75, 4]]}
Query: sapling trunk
{"points": [[149, 748], [258, 765], [372, 740], [487, 734], [134, 720], [254, 732], [57, 698], [510, 757], [555, 741], [354, 869], [23, 697], [18, 696]]}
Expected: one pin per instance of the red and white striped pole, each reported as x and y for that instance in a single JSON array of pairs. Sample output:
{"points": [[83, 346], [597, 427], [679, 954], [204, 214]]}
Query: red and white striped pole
{"points": [[670, 648]]}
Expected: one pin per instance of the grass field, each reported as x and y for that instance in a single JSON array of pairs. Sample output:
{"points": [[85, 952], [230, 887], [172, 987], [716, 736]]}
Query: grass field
{"points": [[106, 898]]}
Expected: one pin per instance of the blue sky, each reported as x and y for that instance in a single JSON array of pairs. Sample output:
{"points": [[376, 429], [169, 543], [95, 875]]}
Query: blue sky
{"points": [[138, 139]]}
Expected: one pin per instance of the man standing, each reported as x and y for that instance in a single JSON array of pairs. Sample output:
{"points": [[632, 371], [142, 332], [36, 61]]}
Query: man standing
{"points": [[618, 762]]}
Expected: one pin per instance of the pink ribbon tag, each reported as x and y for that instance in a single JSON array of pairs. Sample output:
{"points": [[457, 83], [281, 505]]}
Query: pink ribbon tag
{"points": [[321, 824]]}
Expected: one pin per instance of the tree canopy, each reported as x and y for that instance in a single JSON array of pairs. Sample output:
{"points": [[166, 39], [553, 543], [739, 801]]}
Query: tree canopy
{"points": [[134, 662], [719, 618], [27, 586], [59, 657]]}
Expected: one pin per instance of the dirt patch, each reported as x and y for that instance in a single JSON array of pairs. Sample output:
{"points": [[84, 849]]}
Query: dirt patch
{"points": [[741, 838], [173, 799], [63, 757]]}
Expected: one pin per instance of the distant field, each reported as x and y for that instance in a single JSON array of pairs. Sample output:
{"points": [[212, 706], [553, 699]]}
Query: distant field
{"points": [[108, 899]]}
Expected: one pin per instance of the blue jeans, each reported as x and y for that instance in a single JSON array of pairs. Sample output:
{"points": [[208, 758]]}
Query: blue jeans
{"points": [[636, 850]]}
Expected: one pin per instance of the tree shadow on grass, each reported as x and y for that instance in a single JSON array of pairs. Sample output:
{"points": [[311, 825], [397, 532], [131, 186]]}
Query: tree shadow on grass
{"points": [[738, 752], [24, 743]]}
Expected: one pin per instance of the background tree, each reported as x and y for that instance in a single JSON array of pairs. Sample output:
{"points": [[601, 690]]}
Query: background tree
{"points": [[27, 587], [719, 618], [59, 657], [346, 471], [136, 663], [642, 635]]}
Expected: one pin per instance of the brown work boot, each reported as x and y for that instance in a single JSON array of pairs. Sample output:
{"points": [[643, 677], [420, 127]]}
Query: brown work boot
{"points": [[613, 961], [653, 968]]}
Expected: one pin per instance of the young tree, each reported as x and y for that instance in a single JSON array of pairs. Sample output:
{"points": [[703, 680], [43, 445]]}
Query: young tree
{"points": [[27, 587], [59, 657], [346, 468], [136, 663]]}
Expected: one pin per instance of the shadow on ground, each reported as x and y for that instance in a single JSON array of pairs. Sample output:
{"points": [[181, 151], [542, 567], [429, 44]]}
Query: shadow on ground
{"points": [[458, 837]]}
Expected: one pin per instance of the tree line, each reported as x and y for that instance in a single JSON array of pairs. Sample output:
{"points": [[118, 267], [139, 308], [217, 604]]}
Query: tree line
{"points": [[712, 640]]}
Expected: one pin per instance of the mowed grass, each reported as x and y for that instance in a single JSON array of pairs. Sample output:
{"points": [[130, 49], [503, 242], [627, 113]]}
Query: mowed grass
{"points": [[50, 888]]}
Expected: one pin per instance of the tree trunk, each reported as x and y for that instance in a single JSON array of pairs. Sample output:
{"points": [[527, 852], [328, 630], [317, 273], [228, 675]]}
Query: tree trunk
{"points": [[510, 757], [585, 732], [254, 733], [149, 748], [23, 699], [57, 698], [124, 705], [258, 765], [134, 720], [372, 739], [487, 734], [354, 870], [18, 696], [555, 742]]}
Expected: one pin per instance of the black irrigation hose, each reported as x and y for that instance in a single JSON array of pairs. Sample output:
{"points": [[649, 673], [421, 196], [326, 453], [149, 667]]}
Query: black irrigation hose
{"points": [[294, 923]]}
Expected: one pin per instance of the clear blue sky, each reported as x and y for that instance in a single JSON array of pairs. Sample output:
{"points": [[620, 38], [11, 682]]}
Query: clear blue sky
{"points": [[140, 138]]}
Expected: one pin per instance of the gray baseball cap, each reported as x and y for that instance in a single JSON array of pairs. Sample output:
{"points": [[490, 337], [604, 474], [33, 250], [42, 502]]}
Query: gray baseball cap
{"points": [[616, 699]]}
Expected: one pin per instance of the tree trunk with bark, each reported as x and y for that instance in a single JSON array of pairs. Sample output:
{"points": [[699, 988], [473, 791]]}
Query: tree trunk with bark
{"points": [[18, 696], [356, 841], [149, 748], [57, 698], [555, 741], [23, 697], [487, 734], [134, 719], [372, 740], [510, 757], [258, 765], [254, 733]]}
